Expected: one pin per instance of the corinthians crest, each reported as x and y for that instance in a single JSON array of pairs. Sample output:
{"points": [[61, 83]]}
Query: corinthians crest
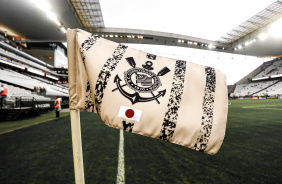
{"points": [[141, 80]]}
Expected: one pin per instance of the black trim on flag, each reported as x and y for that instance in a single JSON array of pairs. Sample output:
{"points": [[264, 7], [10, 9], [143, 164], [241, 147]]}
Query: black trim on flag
{"points": [[89, 103], [170, 119], [208, 106], [85, 46]]}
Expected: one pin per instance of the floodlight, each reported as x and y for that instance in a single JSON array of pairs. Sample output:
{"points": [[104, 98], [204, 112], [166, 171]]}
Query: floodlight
{"points": [[51, 15], [41, 4], [58, 22], [63, 30], [262, 36], [276, 28]]}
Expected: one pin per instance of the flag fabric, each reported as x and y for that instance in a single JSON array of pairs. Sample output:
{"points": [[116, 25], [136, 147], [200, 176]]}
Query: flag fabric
{"points": [[171, 100]]}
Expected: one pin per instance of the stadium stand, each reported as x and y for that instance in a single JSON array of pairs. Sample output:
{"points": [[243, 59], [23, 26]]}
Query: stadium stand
{"points": [[274, 90], [252, 88], [23, 101], [32, 83], [267, 82], [274, 69], [23, 93], [29, 83]]}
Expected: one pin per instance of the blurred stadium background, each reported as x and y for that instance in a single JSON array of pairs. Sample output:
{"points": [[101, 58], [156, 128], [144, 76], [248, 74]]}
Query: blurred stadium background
{"points": [[36, 147]]}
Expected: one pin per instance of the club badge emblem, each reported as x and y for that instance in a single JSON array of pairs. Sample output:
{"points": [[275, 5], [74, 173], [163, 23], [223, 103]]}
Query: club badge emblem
{"points": [[141, 80]]}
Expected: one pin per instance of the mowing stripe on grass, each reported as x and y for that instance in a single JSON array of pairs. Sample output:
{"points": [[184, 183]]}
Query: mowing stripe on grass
{"points": [[262, 108], [25, 126], [121, 171], [10, 126]]}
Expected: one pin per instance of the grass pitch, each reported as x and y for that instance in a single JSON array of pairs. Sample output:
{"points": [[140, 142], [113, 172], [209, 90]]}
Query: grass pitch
{"points": [[10, 126], [251, 152]]}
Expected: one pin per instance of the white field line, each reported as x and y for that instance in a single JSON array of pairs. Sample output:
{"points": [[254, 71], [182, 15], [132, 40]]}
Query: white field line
{"points": [[121, 172]]}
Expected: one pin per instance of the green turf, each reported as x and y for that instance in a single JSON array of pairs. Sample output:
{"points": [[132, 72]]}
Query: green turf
{"points": [[9, 126], [251, 152]]}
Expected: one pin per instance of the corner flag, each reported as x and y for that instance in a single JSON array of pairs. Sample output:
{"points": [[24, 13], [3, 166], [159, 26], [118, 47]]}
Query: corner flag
{"points": [[171, 100]]}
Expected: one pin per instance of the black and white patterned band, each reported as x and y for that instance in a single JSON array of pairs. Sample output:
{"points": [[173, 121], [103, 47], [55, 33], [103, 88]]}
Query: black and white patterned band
{"points": [[85, 46], [170, 119], [208, 106], [105, 74]]}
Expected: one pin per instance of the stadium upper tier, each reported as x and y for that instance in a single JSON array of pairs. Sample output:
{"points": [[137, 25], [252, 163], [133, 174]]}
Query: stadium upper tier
{"points": [[28, 82], [274, 69], [266, 82], [14, 56], [18, 65], [27, 61]]}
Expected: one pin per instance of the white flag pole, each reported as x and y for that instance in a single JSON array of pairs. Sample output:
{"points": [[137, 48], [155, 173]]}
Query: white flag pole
{"points": [[77, 146]]}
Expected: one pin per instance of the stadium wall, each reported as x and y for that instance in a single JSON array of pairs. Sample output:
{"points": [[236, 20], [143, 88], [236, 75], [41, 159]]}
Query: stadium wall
{"points": [[231, 88]]}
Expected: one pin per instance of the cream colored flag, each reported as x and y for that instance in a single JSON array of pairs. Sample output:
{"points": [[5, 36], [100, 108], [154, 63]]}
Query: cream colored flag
{"points": [[172, 100]]}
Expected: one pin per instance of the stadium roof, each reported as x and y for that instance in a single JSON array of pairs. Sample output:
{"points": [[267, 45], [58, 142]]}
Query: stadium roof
{"points": [[237, 26]]}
